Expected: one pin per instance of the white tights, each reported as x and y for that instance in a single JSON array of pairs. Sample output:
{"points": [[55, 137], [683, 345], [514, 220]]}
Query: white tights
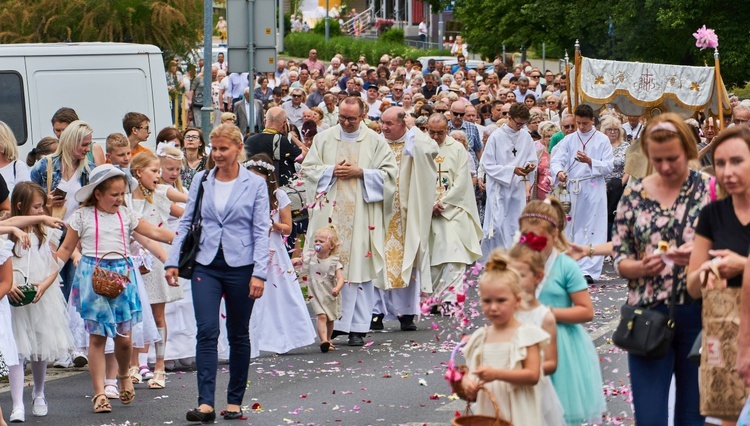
{"points": [[16, 377]]}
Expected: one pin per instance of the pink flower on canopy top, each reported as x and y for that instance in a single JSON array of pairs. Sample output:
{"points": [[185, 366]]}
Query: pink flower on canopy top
{"points": [[706, 37]]}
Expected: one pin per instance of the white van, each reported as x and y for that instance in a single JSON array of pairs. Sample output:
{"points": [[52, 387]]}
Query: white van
{"points": [[100, 81]]}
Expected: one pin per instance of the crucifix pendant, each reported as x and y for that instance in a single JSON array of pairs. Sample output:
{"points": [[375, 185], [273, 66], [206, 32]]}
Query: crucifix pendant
{"points": [[514, 151]]}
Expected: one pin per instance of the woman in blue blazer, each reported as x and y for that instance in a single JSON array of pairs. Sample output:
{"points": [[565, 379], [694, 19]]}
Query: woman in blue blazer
{"points": [[233, 241]]}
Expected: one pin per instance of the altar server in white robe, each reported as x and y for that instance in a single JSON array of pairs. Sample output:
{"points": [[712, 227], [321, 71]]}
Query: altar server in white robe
{"points": [[508, 157], [456, 232], [581, 161], [407, 257], [349, 182]]}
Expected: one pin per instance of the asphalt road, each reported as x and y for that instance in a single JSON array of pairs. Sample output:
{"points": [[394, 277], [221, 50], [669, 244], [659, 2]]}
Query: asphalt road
{"points": [[395, 379]]}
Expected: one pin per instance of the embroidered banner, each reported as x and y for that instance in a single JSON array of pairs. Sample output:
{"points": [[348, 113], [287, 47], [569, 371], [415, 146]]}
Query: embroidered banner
{"points": [[638, 88]]}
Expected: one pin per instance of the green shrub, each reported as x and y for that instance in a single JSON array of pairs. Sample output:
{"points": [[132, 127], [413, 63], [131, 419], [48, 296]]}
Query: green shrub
{"points": [[392, 35], [299, 45], [334, 29], [287, 22]]}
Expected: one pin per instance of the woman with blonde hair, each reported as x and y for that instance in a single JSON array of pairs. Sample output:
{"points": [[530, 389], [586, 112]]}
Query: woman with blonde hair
{"points": [[663, 207], [12, 170], [232, 261], [61, 175]]}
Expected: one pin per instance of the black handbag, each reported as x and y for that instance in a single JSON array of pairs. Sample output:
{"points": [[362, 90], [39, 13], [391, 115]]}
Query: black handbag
{"points": [[647, 332], [192, 240]]}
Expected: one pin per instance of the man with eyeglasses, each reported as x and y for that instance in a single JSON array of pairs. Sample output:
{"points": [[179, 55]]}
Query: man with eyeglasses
{"points": [[456, 231], [581, 161], [460, 66], [457, 122], [396, 97], [137, 128], [295, 107], [430, 89], [406, 273], [549, 79], [509, 157], [567, 127], [354, 169], [430, 67]]}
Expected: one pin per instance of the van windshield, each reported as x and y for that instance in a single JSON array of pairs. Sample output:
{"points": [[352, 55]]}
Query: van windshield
{"points": [[12, 108]]}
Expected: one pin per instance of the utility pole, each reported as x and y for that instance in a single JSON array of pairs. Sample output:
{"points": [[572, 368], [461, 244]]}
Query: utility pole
{"points": [[208, 104]]}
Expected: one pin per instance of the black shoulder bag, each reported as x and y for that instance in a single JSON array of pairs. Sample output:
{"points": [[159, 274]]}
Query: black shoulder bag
{"points": [[647, 332], [191, 243]]}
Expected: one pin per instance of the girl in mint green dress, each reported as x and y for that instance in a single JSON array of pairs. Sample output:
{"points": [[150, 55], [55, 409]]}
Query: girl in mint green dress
{"points": [[578, 378]]}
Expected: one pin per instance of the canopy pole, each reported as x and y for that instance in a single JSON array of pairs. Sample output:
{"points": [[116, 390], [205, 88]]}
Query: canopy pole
{"points": [[717, 79], [577, 65], [567, 79]]}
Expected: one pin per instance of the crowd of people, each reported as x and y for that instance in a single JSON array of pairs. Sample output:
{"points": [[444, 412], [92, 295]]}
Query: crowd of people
{"points": [[387, 183]]}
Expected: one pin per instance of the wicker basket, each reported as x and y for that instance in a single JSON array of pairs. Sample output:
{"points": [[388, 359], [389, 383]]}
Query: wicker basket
{"points": [[481, 420], [108, 283], [28, 289]]}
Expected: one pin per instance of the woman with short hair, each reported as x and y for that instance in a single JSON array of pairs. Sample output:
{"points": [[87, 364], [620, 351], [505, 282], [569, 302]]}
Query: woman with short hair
{"points": [[617, 179]]}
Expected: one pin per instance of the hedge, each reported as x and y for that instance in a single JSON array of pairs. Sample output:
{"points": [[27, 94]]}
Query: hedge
{"points": [[300, 44], [334, 28], [392, 35]]}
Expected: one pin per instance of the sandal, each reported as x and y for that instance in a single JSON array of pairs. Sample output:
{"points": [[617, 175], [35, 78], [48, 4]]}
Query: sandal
{"points": [[101, 404], [112, 391], [127, 395], [135, 375], [159, 380]]}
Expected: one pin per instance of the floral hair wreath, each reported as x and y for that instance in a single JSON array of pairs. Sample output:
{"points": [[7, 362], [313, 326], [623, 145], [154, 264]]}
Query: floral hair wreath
{"points": [[260, 164]]}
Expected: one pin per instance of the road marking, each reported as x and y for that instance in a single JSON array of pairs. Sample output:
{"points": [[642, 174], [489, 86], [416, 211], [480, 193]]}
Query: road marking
{"points": [[606, 328]]}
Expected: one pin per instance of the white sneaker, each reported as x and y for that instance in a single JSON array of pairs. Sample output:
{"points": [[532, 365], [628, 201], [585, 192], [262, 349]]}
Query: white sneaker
{"points": [[63, 362], [18, 415], [80, 359]]}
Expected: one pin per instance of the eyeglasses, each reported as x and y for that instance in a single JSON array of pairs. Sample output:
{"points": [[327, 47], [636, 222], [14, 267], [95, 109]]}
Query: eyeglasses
{"points": [[535, 76], [296, 96], [457, 114], [436, 133], [192, 137], [504, 113], [351, 120], [441, 111], [736, 121], [569, 126], [146, 128], [551, 102], [397, 90], [521, 124], [361, 61]]}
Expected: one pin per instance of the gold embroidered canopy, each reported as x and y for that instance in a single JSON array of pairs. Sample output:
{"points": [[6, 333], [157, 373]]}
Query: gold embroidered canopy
{"points": [[641, 88]]}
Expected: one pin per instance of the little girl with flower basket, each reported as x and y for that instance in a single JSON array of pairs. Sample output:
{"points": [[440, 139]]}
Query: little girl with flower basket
{"points": [[103, 226]]}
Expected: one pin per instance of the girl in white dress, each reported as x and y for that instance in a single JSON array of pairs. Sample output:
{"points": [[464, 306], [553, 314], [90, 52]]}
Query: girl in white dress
{"points": [[325, 278], [41, 328], [280, 320], [179, 315], [154, 202], [528, 261], [505, 356], [6, 281]]}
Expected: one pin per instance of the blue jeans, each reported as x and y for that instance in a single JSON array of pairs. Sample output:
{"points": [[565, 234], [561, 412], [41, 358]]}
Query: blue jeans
{"points": [[209, 284], [650, 378]]}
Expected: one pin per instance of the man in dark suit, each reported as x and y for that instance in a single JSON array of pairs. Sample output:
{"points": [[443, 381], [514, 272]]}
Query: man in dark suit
{"points": [[242, 110], [272, 135]]}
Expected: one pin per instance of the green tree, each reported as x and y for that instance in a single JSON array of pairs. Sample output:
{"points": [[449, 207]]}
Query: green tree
{"points": [[173, 25], [658, 31]]}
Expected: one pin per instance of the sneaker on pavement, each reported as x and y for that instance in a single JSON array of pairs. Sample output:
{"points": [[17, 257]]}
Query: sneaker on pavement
{"points": [[64, 361], [18, 415], [146, 373], [80, 359]]}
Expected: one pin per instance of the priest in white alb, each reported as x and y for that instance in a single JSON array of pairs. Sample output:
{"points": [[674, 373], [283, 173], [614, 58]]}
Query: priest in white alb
{"points": [[456, 231], [349, 182], [508, 157], [407, 258], [581, 160]]}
